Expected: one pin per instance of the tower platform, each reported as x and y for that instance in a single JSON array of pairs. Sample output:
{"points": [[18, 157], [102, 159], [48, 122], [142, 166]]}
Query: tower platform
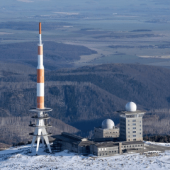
{"points": [[40, 110], [42, 117], [34, 125]]}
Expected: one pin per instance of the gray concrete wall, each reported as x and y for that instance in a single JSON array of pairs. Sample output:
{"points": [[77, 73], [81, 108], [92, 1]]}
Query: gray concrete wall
{"points": [[134, 129], [113, 133], [106, 133], [138, 148], [108, 152], [131, 127], [133, 146]]}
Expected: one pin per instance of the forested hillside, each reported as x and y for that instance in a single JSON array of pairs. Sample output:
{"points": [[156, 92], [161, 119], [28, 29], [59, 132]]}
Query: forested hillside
{"points": [[85, 96], [16, 129], [56, 55]]}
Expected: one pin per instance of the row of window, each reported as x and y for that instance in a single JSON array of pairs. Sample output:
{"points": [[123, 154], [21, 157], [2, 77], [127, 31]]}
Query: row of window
{"points": [[110, 132], [130, 136], [112, 151], [133, 135], [126, 146], [130, 116], [106, 153], [134, 124], [124, 131], [134, 121], [133, 128], [133, 139], [135, 132], [104, 149]]}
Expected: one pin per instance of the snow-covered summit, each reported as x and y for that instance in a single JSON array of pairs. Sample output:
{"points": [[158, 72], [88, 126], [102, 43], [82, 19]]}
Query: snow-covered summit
{"points": [[20, 159]]}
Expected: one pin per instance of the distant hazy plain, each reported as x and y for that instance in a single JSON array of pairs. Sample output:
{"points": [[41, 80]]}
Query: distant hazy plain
{"points": [[133, 28]]}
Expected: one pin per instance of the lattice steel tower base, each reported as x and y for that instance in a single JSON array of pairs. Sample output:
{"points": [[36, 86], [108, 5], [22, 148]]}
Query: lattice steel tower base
{"points": [[40, 128]]}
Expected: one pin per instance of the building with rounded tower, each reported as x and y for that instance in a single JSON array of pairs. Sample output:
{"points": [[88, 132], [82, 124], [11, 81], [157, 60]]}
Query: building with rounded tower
{"points": [[106, 131]]}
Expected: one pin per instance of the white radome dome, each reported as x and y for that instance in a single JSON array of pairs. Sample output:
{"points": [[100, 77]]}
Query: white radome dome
{"points": [[108, 124], [131, 107]]}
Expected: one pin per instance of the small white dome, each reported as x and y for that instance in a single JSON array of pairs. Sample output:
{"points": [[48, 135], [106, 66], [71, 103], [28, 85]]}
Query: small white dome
{"points": [[131, 107], [108, 124]]}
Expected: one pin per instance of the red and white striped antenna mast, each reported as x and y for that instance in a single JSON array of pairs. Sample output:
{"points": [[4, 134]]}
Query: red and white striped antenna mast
{"points": [[41, 117]]}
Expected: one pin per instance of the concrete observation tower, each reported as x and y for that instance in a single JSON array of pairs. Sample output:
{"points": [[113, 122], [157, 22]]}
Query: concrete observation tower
{"points": [[41, 112], [131, 128]]}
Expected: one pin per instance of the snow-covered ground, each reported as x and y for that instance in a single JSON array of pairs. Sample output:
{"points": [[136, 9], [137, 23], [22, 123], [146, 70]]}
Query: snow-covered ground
{"points": [[20, 158], [156, 143]]}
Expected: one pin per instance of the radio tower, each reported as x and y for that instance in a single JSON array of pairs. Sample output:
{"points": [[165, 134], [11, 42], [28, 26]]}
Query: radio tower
{"points": [[41, 117]]}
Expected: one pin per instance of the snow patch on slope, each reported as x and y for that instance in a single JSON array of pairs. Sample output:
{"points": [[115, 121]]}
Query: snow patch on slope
{"points": [[157, 143]]}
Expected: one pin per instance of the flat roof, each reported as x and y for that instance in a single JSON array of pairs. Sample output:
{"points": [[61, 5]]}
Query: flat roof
{"points": [[85, 143], [106, 144], [136, 112], [114, 144], [132, 142]]}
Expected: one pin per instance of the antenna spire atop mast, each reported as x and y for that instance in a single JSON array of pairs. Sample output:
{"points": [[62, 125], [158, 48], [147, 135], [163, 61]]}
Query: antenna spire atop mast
{"points": [[40, 40], [39, 27]]}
